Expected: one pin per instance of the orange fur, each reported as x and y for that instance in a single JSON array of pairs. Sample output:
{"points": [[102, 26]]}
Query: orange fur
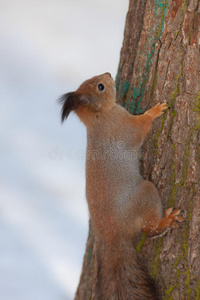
{"points": [[121, 202]]}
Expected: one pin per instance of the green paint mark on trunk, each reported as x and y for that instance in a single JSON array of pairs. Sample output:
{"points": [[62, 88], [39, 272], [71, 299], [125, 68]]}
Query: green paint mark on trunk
{"points": [[154, 35]]}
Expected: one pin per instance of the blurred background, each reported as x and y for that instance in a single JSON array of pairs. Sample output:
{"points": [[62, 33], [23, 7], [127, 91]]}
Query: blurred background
{"points": [[47, 48]]}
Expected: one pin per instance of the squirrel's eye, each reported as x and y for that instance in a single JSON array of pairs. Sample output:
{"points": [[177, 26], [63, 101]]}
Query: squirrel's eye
{"points": [[100, 87]]}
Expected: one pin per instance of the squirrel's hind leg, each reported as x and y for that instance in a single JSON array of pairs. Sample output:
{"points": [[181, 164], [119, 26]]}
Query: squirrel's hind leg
{"points": [[154, 226]]}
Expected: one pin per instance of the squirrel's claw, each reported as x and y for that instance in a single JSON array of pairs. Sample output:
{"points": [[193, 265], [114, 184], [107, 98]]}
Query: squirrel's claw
{"points": [[175, 212], [171, 217], [179, 218], [157, 110], [168, 211]]}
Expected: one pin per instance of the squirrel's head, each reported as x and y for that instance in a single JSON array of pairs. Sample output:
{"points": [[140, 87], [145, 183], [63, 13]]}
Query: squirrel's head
{"points": [[95, 95]]}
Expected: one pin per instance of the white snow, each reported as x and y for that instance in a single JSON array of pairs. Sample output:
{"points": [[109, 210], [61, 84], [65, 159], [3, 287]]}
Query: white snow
{"points": [[47, 48]]}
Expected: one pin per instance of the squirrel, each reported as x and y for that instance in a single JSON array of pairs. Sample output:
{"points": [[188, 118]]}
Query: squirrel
{"points": [[121, 203]]}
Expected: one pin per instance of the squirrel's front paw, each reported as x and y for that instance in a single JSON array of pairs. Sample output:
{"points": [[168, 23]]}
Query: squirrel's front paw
{"points": [[172, 217], [157, 110]]}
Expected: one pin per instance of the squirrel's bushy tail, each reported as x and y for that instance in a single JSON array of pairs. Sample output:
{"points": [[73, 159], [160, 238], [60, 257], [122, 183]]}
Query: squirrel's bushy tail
{"points": [[122, 275]]}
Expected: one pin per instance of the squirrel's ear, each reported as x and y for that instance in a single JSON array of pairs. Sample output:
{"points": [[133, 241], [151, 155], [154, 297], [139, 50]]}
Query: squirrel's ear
{"points": [[69, 103]]}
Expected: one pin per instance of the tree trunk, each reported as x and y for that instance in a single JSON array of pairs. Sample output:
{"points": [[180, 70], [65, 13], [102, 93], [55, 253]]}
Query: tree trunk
{"points": [[160, 60]]}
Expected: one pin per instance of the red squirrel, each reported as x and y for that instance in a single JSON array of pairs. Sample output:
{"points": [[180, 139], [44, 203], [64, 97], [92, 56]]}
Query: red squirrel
{"points": [[121, 203]]}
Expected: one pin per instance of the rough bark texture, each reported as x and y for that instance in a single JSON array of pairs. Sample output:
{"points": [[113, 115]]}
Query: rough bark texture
{"points": [[160, 60]]}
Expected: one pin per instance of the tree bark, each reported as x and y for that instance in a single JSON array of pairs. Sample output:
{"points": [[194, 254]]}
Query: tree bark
{"points": [[160, 60]]}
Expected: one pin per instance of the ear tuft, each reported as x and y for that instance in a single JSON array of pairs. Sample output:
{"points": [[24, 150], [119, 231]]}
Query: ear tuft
{"points": [[69, 103]]}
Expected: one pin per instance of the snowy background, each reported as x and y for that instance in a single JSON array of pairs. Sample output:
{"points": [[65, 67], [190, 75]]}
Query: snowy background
{"points": [[47, 48]]}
